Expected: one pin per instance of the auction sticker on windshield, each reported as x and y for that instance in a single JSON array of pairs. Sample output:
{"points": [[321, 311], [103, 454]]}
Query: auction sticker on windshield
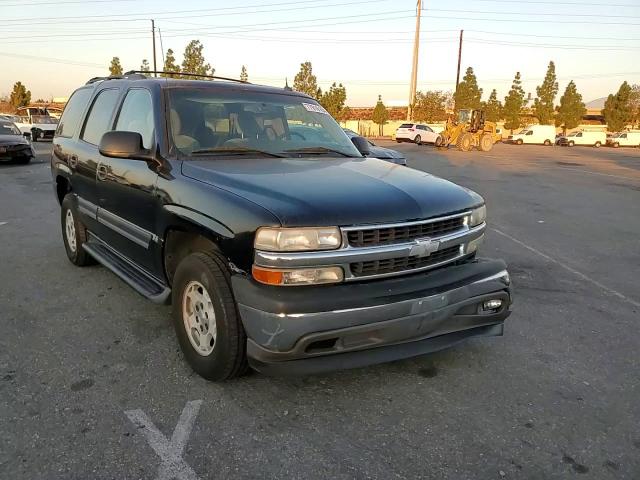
{"points": [[310, 107]]}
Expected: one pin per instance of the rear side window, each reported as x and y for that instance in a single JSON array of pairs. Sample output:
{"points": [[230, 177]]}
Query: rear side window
{"points": [[406, 125], [136, 115], [73, 113], [99, 118]]}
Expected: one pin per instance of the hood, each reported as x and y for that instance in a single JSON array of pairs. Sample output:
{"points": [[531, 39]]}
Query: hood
{"points": [[381, 152], [13, 140], [341, 192]]}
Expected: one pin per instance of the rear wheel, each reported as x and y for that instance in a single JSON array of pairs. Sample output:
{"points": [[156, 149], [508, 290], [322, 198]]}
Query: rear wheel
{"points": [[206, 319], [486, 142], [547, 143], [519, 141], [597, 144], [439, 141], [464, 142], [74, 233], [571, 143], [616, 145], [418, 140]]}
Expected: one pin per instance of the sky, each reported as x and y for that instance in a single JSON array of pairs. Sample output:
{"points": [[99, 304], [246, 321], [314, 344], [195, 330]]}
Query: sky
{"points": [[367, 45]]}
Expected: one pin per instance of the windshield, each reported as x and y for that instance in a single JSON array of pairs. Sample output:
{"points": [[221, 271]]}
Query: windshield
{"points": [[524, 132], [8, 128], [207, 122], [43, 119]]}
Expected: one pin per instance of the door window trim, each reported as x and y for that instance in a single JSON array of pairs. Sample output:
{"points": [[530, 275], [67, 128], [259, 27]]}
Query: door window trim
{"points": [[154, 139], [88, 114]]}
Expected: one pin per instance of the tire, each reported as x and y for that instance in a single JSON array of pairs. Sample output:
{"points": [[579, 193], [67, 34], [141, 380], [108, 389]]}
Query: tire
{"points": [[439, 141], [547, 143], [616, 145], [519, 141], [34, 136], [418, 140], [464, 142], [24, 160], [571, 143], [486, 142], [74, 233], [598, 145], [398, 141], [204, 279]]}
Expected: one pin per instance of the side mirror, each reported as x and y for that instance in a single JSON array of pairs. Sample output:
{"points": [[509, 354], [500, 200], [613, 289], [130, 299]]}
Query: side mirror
{"points": [[119, 144], [362, 145]]}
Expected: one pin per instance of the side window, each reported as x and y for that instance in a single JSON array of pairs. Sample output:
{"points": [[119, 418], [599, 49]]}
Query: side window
{"points": [[428, 129], [530, 132], [579, 135], [97, 122], [624, 135], [73, 113], [136, 115]]}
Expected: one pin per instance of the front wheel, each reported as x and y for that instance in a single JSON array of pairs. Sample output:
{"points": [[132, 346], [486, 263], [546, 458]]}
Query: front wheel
{"points": [[439, 141], [597, 144], [418, 140], [571, 143], [519, 141], [206, 319], [547, 143], [486, 142], [74, 233]]}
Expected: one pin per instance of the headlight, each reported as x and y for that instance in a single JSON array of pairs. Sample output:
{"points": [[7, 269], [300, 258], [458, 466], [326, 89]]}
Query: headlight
{"points": [[478, 216], [297, 239], [298, 276]]}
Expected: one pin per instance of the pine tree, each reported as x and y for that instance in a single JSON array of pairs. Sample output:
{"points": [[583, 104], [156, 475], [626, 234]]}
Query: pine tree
{"points": [[571, 109], [333, 100], [430, 106], [170, 65], [145, 65], [468, 94], [193, 60], [305, 81], [635, 104], [513, 104], [115, 68], [493, 107], [380, 115], [618, 110], [244, 76], [20, 96], [543, 104]]}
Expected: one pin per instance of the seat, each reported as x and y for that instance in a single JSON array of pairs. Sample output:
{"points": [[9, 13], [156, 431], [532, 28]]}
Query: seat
{"points": [[185, 143]]}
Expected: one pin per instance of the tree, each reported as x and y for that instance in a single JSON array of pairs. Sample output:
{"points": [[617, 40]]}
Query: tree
{"points": [[170, 65], [618, 110], [115, 68], [20, 96], [145, 66], [193, 60], [430, 106], [305, 81], [543, 104], [244, 76], [380, 115], [333, 100], [513, 104], [493, 107], [467, 95], [571, 108], [635, 104]]}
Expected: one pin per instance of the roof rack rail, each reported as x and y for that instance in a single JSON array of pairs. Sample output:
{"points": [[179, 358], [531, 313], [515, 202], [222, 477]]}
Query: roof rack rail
{"points": [[127, 75], [183, 74]]}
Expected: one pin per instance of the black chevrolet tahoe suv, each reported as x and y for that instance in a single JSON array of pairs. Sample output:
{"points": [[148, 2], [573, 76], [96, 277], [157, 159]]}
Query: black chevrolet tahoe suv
{"points": [[279, 244]]}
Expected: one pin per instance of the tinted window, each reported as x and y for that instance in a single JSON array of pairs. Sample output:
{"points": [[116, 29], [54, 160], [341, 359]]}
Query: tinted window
{"points": [[73, 113], [428, 129], [8, 128], [406, 125], [136, 115], [579, 135], [530, 132], [100, 115]]}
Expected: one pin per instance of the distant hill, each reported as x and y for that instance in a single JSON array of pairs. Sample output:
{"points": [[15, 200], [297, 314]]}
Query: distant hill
{"points": [[597, 104]]}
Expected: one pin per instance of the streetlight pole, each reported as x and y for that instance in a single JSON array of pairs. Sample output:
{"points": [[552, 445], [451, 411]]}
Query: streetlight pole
{"points": [[414, 69]]}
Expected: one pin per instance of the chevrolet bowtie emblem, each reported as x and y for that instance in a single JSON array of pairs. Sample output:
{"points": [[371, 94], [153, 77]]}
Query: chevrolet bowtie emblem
{"points": [[424, 247]]}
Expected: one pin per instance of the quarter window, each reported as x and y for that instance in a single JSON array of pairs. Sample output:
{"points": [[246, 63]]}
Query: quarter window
{"points": [[136, 115], [73, 113], [99, 118]]}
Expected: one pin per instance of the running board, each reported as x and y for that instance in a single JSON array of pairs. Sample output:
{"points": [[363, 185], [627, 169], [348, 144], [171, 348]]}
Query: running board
{"points": [[134, 276]]}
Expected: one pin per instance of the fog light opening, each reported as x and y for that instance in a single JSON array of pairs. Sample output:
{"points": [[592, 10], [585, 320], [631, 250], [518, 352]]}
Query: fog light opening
{"points": [[491, 306]]}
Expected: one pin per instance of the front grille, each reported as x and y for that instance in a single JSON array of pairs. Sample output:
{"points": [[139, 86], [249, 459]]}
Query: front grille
{"points": [[393, 265], [405, 233]]}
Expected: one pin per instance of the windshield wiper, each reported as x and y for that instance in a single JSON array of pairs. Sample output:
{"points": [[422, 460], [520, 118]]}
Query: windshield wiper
{"points": [[317, 150], [235, 151]]}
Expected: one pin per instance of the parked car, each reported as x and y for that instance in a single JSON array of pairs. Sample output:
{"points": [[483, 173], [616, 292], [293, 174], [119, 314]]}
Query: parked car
{"points": [[583, 137], [382, 153], [416, 133], [535, 134], [13, 145], [284, 251], [624, 139], [37, 122]]}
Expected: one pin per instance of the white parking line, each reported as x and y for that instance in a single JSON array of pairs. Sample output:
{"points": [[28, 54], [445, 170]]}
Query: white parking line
{"points": [[2, 223], [581, 275], [170, 452]]}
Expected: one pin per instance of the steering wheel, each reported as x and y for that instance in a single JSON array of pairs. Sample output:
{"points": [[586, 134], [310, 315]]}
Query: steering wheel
{"points": [[298, 134]]}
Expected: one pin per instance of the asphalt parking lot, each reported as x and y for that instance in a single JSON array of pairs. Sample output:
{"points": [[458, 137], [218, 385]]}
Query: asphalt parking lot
{"points": [[93, 385]]}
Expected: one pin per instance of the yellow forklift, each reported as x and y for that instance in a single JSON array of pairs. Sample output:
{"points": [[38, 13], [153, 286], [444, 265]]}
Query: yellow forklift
{"points": [[468, 131]]}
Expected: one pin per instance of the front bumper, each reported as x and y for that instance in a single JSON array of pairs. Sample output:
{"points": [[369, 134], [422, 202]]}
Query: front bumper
{"points": [[307, 330], [15, 151]]}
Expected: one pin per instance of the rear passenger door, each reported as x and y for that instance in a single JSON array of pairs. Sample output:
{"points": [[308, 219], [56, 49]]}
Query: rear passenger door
{"points": [[126, 188]]}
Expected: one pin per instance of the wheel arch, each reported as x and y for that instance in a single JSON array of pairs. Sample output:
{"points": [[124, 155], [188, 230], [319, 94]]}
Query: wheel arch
{"points": [[63, 187]]}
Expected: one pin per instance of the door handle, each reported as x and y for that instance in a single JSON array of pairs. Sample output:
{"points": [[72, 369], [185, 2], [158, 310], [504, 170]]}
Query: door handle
{"points": [[101, 172]]}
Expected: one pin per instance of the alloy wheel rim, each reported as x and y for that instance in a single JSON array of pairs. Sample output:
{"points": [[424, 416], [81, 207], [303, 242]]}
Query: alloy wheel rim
{"points": [[70, 229], [199, 318]]}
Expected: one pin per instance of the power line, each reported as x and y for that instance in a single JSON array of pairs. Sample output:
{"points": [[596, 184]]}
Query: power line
{"points": [[547, 2], [62, 3], [528, 14], [513, 20]]}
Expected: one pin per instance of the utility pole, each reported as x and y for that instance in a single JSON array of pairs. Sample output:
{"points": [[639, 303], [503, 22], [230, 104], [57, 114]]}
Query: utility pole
{"points": [[153, 33], [459, 60], [414, 69]]}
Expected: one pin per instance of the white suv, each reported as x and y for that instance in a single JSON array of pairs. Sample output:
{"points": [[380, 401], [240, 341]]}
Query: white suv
{"points": [[415, 132]]}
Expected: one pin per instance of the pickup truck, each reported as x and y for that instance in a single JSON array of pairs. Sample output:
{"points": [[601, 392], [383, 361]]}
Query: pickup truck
{"points": [[281, 248]]}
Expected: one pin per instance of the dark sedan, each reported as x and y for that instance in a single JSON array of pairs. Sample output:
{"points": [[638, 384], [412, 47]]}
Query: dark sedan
{"points": [[13, 145], [382, 153]]}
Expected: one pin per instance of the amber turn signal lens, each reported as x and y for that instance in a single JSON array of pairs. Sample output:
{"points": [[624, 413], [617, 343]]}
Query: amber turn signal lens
{"points": [[270, 277]]}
